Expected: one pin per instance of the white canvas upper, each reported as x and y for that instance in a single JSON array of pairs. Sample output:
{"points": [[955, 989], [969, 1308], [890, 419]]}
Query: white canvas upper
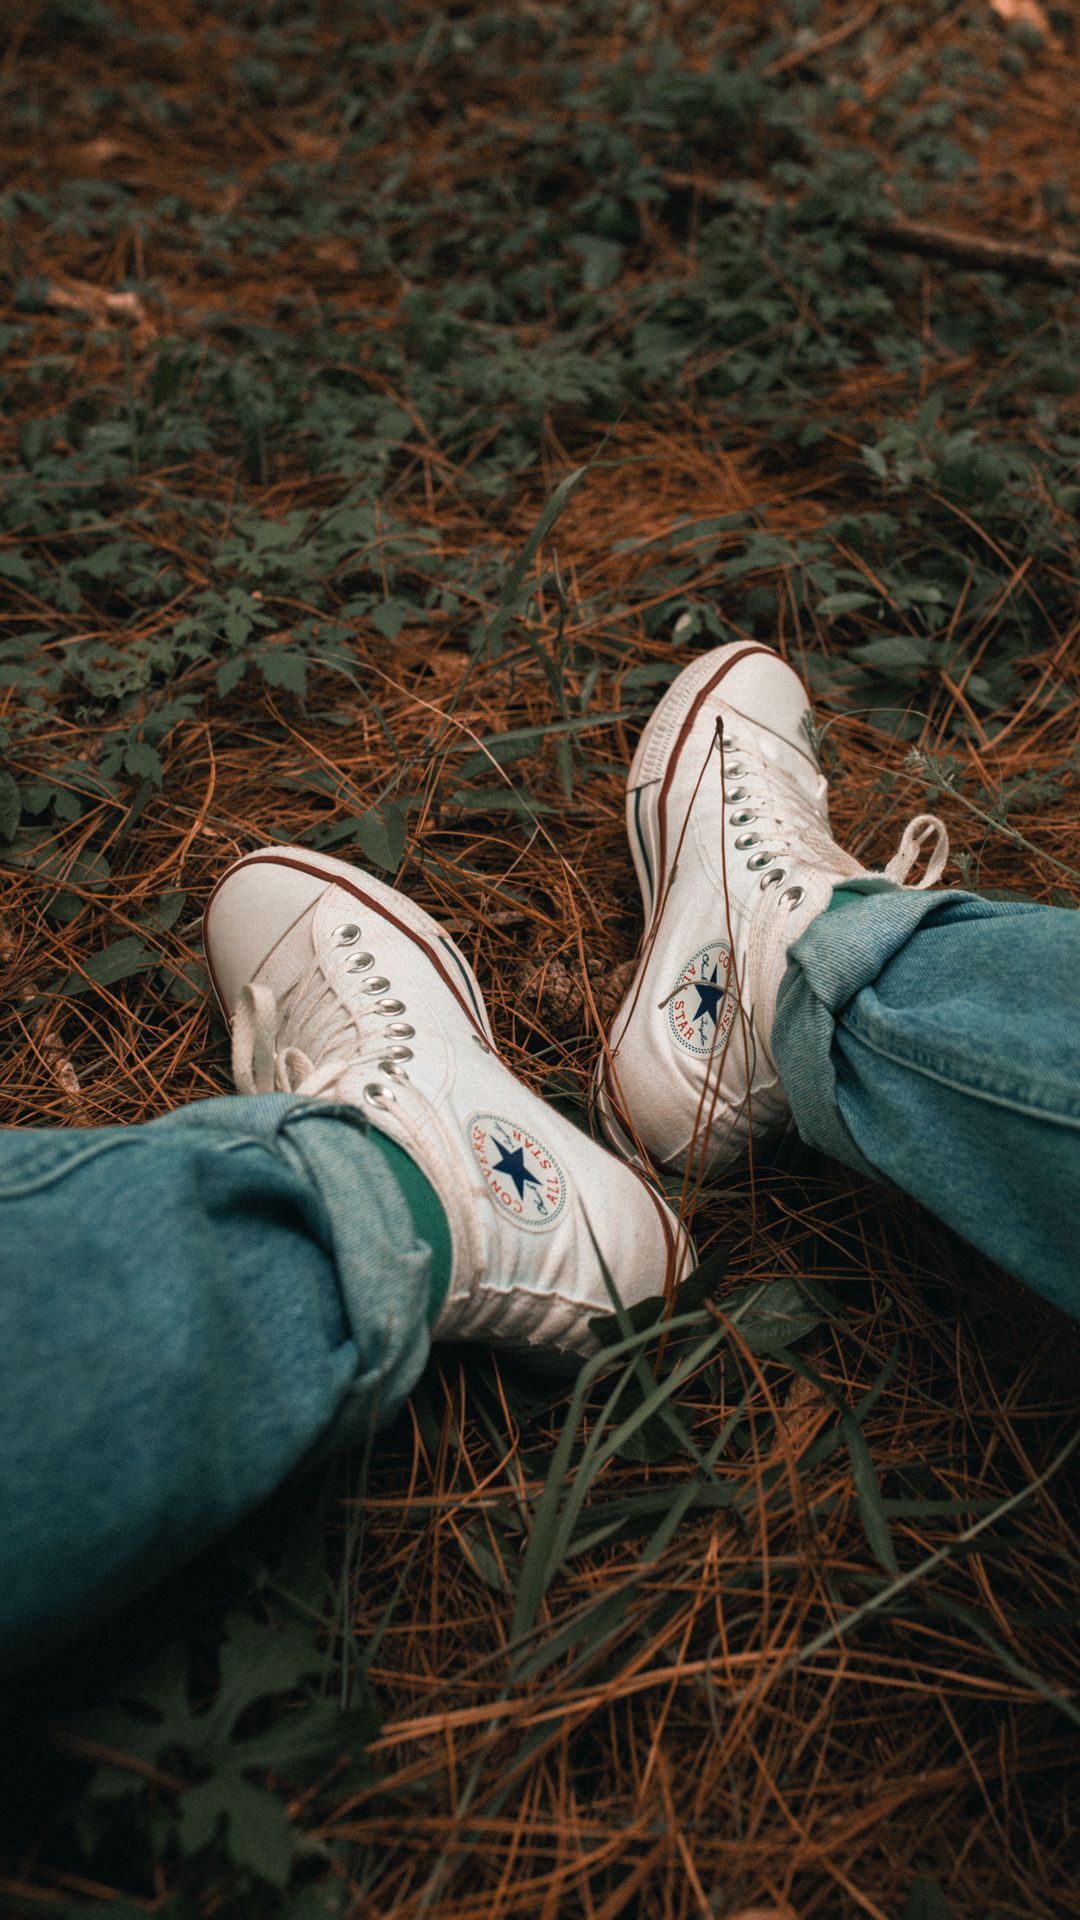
{"points": [[727, 813], [336, 985]]}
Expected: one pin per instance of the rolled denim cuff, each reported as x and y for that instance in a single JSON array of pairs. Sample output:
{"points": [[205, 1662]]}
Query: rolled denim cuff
{"points": [[383, 1270], [838, 955]]}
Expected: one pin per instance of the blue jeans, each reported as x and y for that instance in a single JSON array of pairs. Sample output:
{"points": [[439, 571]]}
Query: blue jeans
{"points": [[189, 1308], [934, 1038]]}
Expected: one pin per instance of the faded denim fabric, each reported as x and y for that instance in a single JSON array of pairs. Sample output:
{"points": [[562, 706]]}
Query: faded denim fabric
{"points": [[187, 1309], [934, 1038]]}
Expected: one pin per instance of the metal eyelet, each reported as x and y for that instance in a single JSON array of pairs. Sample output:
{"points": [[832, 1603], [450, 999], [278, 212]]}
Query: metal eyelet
{"points": [[388, 1006], [735, 773], [759, 860], [347, 935], [748, 840], [402, 1031], [737, 793], [392, 1068], [742, 818], [793, 895], [479, 1041], [377, 984], [397, 1053], [377, 1095], [360, 963], [772, 878]]}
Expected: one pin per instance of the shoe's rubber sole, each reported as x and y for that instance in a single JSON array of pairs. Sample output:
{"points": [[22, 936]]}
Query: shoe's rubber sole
{"points": [[438, 948]]}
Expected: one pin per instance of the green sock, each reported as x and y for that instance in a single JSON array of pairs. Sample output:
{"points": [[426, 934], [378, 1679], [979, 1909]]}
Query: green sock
{"points": [[429, 1220], [844, 897]]}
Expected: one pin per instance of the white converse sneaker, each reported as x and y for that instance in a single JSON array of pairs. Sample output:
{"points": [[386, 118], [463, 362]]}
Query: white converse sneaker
{"points": [[337, 985], [728, 820]]}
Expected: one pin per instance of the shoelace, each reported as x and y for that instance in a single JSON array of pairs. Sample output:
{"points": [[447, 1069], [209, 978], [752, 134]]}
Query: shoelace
{"points": [[799, 831], [266, 1058]]}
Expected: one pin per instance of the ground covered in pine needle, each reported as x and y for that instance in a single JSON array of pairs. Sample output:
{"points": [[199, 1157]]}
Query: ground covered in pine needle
{"points": [[398, 396]]}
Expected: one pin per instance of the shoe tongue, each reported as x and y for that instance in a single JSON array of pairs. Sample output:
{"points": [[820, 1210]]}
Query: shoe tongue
{"points": [[795, 765]]}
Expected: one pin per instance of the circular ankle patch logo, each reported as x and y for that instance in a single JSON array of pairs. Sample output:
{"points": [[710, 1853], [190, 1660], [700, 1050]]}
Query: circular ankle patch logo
{"points": [[526, 1181], [700, 1008]]}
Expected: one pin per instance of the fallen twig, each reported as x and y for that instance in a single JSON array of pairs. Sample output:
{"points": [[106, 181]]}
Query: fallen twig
{"points": [[976, 250]]}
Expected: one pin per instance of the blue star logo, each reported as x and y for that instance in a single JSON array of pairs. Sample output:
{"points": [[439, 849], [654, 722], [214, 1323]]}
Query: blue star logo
{"points": [[709, 994], [513, 1165]]}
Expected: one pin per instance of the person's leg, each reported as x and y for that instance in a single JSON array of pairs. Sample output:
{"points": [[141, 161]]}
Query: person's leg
{"points": [[186, 1309], [934, 1038], [931, 1037]]}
